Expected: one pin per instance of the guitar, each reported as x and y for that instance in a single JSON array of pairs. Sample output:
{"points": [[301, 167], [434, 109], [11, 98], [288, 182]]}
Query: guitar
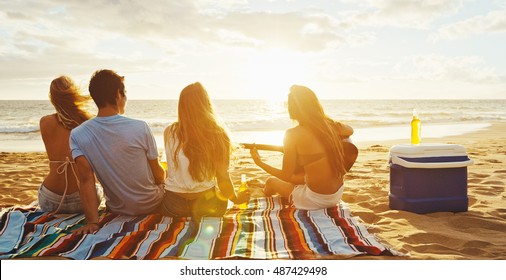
{"points": [[350, 151]]}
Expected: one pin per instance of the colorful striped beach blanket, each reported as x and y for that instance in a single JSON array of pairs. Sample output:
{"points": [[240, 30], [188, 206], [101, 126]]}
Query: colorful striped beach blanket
{"points": [[268, 229]]}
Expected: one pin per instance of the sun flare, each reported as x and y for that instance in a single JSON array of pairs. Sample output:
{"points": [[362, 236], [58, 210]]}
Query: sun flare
{"points": [[270, 73]]}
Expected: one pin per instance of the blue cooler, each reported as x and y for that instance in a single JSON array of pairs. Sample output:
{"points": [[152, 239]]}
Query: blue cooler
{"points": [[428, 178]]}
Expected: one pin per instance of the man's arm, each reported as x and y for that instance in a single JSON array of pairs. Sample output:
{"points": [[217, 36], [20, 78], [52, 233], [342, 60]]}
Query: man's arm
{"points": [[88, 194], [157, 170]]}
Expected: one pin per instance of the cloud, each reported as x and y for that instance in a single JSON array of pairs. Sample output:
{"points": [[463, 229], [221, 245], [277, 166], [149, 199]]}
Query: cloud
{"points": [[492, 22], [173, 20], [428, 68], [17, 15], [54, 31], [290, 30], [76, 37], [44, 38], [401, 13], [433, 67]]}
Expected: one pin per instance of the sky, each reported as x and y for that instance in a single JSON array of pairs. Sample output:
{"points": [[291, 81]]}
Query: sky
{"points": [[240, 49]]}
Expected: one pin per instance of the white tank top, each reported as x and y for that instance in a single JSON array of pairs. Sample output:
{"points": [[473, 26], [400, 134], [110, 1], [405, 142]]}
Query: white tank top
{"points": [[179, 179]]}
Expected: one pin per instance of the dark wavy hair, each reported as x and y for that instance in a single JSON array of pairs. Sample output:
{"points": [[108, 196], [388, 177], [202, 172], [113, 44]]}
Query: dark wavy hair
{"points": [[104, 85]]}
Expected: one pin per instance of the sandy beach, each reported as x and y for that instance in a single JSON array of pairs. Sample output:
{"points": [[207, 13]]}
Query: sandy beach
{"points": [[479, 233]]}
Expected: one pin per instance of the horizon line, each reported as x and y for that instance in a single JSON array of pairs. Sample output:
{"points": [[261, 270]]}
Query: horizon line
{"points": [[280, 100]]}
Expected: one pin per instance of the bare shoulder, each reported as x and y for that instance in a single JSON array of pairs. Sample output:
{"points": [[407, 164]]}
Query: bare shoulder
{"points": [[298, 131], [296, 134], [47, 121], [292, 132], [47, 118]]}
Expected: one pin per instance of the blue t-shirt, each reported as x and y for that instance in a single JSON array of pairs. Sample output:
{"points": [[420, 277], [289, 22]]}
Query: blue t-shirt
{"points": [[118, 149]]}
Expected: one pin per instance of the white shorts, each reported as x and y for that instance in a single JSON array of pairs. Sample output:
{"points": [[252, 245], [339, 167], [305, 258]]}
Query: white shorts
{"points": [[302, 197]]}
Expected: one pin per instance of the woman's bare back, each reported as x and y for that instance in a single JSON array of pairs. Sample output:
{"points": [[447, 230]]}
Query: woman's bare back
{"points": [[56, 142], [312, 156]]}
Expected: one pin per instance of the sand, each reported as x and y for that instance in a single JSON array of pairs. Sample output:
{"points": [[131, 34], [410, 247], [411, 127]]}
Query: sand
{"points": [[479, 233]]}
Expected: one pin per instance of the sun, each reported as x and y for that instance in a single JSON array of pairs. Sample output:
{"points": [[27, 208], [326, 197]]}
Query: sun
{"points": [[270, 73]]}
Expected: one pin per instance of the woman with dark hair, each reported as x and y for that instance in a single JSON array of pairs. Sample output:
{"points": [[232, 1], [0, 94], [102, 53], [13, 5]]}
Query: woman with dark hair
{"points": [[314, 159], [198, 151], [59, 193]]}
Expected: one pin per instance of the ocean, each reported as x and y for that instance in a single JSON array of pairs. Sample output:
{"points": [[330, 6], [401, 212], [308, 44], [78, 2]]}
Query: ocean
{"points": [[261, 121]]}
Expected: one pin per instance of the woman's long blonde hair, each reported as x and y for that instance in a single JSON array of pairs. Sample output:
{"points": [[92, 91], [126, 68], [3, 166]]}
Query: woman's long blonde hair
{"points": [[305, 108], [204, 141], [69, 103]]}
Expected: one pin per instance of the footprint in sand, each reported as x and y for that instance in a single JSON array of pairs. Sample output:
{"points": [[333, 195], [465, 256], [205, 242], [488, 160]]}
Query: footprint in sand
{"points": [[499, 212], [498, 183], [474, 181], [359, 172], [493, 161], [472, 201], [378, 170], [476, 243], [350, 177], [429, 238], [486, 191], [478, 175], [427, 251], [377, 148], [466, 223], [474, 252]]}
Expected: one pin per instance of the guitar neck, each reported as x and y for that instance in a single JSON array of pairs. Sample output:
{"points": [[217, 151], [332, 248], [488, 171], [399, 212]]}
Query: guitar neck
{"points": [[264, 147], [275, 148], [350, 151]]}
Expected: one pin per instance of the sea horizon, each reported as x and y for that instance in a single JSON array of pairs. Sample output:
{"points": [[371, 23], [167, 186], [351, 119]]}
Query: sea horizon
{"points": [[263, 121], [280, 100]]}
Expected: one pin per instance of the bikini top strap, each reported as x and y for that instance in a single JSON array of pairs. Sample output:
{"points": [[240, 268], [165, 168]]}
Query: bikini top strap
{"points": [[63, 169]]}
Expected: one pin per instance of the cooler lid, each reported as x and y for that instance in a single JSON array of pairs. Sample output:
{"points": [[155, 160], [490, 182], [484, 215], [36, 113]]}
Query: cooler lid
{"points": [[428, 150]]}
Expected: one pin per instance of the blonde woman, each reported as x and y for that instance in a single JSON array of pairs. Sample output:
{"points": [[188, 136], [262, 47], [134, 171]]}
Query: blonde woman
{"points": [[198, 152], [314, 159], [59, 191]]}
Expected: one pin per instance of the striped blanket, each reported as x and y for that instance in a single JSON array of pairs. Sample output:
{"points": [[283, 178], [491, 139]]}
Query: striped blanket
{"points": [[268, 229]]}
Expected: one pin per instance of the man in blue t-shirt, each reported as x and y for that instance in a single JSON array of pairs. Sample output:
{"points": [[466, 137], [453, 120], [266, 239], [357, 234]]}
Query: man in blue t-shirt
{"points": [[120, 151]]}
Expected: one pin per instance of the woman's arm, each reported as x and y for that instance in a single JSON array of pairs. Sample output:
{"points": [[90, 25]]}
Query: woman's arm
{"points": [[298, 178], [157, 170], [227, 188], [287, 172], [344, 130]]}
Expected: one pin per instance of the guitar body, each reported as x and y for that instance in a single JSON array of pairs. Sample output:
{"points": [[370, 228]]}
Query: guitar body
{"points": [[350, 154], [349, 149]]}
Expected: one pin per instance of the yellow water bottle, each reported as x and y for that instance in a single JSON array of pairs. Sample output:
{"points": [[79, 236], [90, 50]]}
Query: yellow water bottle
{"points": [[416, 129], [243, 187], [163, 161]]}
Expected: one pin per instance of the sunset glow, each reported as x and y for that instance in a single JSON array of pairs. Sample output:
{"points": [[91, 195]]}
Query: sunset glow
{"points": [[256, 49], [271, 73]]}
